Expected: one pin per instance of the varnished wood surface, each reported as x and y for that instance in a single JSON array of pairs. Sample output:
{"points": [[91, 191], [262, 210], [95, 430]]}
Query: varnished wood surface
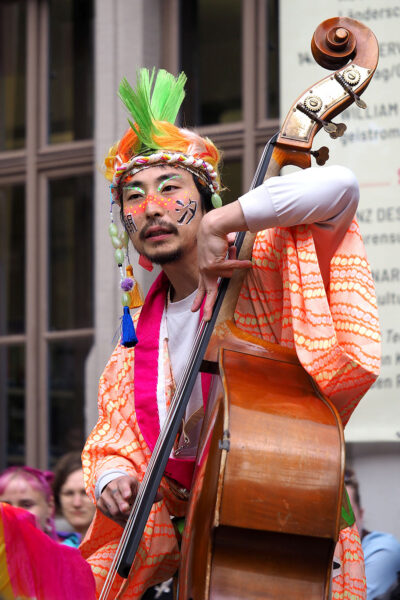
{"points": [[228, 335], [284, 463], [332, 50], [261, 566], [274, 489]]}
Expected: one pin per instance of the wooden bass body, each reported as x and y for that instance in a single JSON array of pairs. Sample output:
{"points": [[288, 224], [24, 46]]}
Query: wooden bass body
{"points": [[264, 510]]}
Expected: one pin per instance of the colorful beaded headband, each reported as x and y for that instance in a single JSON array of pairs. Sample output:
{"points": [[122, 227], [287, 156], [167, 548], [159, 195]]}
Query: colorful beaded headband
{"points": [[199, 167]]}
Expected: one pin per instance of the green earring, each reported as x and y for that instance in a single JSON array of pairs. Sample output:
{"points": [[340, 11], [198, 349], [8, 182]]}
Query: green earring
{"points": [[216, 200]]}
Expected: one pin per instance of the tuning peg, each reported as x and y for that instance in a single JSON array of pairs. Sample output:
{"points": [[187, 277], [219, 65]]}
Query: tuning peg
{"points": [[357, 100], [321, 155], [350, 77], [328, 126], [334, 130], [339, 131]]}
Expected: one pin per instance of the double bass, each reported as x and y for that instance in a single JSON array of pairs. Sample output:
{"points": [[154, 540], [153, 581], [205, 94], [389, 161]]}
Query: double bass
{"points": [[266, 503], [265, 506]]}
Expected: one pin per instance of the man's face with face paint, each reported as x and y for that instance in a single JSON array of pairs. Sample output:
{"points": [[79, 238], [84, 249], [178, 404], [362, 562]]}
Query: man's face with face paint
{"points": [[162, 211]]}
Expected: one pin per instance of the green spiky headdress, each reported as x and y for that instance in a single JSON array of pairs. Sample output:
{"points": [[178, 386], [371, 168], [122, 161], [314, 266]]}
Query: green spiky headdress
{"points": [[153, 138], [148, 106]]}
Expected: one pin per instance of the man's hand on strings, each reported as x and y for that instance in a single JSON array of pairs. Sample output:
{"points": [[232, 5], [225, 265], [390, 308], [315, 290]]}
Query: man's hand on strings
{"points": [[117, 498], [216, 254]]}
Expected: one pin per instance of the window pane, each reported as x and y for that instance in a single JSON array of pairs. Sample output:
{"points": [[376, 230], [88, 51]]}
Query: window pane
{"points": [[70, 70], [232, 180], [70, 253], [12, 259], [66, 395], [12, 405], [211, 52], [12, 74], [272, 97]]}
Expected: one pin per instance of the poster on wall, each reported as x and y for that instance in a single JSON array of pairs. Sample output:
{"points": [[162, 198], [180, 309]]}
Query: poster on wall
{"points": [[370, 147]]}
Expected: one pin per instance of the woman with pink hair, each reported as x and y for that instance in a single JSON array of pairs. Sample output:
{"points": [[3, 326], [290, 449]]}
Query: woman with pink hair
{"points": [[30, 489]]}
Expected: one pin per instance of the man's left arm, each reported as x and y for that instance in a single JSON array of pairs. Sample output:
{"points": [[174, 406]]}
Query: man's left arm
{"points": [[324, 198]]}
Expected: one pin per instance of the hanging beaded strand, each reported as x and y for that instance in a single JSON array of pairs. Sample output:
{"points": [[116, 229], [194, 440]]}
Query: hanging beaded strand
{"points": [[127, 283]]}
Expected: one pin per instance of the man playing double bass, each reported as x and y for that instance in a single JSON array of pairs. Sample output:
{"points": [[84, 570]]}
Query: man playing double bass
{"points": [[307, 287]]}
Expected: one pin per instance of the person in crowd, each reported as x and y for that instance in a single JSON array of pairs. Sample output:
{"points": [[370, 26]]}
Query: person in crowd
{"points": [[70, 497], [33, 563], [381, 550], [308, 287], [30, 489]]}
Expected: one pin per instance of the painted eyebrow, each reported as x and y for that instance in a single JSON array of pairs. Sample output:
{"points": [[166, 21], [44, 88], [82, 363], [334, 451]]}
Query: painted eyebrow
{"points": [[159, 179], [135, 187], [168, 179]]}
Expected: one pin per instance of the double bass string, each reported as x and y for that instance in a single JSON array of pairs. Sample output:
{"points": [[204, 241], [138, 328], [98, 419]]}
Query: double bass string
{"points": [[133, 531], [127, 546]]}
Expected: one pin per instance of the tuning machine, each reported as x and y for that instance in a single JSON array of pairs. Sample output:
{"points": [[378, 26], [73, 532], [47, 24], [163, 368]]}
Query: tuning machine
{"points": [[350, 78], [312, 104]]}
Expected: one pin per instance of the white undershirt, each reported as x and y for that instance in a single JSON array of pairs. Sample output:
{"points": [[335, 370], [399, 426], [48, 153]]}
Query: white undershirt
{"points": [[179, 325]]}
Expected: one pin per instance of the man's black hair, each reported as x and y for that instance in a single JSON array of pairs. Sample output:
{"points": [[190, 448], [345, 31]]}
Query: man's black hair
{"points": [[205, 194]]}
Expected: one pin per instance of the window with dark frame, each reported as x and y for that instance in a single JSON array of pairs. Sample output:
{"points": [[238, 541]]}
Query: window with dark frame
{"points": [[46, 252], [230, 52]]}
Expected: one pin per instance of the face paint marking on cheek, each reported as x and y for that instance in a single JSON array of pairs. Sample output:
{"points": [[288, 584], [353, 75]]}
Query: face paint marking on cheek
{"points": [[134, 210], [188, 211], [165, 203], [130, 224], [129, 219]]}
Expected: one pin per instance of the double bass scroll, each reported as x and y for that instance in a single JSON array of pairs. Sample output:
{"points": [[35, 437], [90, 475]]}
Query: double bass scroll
{"points": [[339, 43]]}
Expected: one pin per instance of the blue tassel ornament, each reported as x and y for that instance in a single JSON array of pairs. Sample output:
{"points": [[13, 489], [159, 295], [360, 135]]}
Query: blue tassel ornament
{"points": [[128, 337]]}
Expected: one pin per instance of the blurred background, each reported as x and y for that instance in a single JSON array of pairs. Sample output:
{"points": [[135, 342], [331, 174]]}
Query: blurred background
{"points": [[60, 65]]}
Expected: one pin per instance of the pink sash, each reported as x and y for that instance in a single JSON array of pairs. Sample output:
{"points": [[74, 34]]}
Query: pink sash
{"points": [[145, 377]]}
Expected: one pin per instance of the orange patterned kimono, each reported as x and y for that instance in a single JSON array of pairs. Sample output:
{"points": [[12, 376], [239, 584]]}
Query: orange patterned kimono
{"points": [[283, 300]]}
